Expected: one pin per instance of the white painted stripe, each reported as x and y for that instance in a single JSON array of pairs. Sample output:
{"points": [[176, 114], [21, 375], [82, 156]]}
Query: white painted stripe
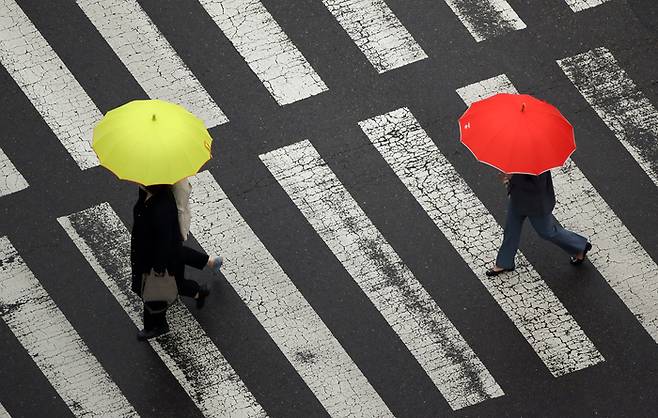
{"points": [[273, 298], [3, 412], [53, 344], [377, 32], [50, 86], [266, 48], [11, 180], [149, 57], [186, 350], [403, 302], [578, 5], [526, 299], [486, 18], [486, 88], [618, 101], [618, 256]]}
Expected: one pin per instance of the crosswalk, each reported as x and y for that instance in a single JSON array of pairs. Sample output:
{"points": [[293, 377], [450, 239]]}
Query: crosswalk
{"points": [[620, 259], [11, 180], [619, 102], [336, 378], [579, 5], [272, 297], [471, 229], [486, 19], [382, 275], [277, 62], [3, 412], [46, 81], [149, 57], [377, 32], [53, 343], [187, 351]]}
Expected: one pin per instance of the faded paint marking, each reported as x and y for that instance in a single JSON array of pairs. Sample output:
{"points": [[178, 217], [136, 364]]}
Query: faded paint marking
{"points": [[578, 5], [403, 302], [49, 338], [149, 57], [186, 350], [50, 86], [266, 48], [377, 32], [618, 256], [3, 412], [618, 101], [11, 180], [486, 18], [526, 299], [282, 310]]}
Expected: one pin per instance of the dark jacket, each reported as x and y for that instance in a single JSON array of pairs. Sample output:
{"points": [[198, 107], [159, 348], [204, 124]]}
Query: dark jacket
{"points": [[155, 240], [532, 195]]}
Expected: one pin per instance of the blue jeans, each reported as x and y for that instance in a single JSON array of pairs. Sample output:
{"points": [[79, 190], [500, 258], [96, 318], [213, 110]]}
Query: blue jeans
{"points": [[547, 228]]}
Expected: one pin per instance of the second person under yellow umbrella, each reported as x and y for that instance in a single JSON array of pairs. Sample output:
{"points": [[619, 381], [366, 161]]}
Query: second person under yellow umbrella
{"points": [[158, 144]]}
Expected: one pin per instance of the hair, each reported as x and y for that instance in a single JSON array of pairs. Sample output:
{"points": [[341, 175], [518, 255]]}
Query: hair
{"points": [[157, 188]]}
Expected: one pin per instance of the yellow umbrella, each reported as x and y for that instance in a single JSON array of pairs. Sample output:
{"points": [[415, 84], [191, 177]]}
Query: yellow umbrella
{"points": [[151, 142]]}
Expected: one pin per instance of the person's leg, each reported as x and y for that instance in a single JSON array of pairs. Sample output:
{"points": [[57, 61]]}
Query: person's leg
{"points": [[149, 319], [511, 239], [548, 229], [194, 258], [191, 288], [155, 315], [199, 260], [186, 287], [155, 323]]}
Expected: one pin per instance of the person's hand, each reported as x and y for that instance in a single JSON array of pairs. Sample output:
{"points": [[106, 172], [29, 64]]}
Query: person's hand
{"points": [[504, 177]]}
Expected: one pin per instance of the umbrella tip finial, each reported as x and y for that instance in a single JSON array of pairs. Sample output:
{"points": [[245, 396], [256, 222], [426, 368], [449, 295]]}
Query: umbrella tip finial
{"points": [[522, 109], [153, 117]]}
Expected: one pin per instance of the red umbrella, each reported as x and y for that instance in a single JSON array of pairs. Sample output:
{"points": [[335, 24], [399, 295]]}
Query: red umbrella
{"points": [[517, 133]]}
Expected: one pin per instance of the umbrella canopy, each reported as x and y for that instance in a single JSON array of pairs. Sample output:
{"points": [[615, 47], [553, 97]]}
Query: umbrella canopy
{"points": [[517, 133], [151, 142]]}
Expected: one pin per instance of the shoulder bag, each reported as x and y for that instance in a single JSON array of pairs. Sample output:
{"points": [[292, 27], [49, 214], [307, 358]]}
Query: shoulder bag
{"points": [[159, 287]]}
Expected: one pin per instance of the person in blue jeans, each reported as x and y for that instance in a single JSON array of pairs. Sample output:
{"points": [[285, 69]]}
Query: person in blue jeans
{"points": [[533, 197]]}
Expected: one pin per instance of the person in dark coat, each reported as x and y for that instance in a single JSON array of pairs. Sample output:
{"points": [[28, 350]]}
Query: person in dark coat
{"points": [[156, 243], [533, 197]]}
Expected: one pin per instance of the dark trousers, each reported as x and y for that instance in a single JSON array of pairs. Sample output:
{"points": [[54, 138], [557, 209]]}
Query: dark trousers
{"points": [[186, 287], [547, 228], [193, 258]]}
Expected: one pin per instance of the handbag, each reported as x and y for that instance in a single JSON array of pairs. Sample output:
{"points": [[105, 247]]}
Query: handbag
{"points": [[159, 287]]}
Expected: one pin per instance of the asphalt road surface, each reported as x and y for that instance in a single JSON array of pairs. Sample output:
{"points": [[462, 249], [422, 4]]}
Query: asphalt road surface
{"points": [[356, 228]]}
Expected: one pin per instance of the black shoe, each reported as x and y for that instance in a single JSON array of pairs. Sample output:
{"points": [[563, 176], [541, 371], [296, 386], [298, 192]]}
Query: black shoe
{"points": [[204, 291], [144, 335], [576, 261], [492, 272]]}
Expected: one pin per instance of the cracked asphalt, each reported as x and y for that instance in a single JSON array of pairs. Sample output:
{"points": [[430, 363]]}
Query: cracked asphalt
{"points": [[357, 260]]}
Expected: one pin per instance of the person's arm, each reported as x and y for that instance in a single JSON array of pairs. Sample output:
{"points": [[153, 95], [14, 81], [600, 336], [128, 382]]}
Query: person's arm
{"points": [[504, 177], [506, 180]]}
